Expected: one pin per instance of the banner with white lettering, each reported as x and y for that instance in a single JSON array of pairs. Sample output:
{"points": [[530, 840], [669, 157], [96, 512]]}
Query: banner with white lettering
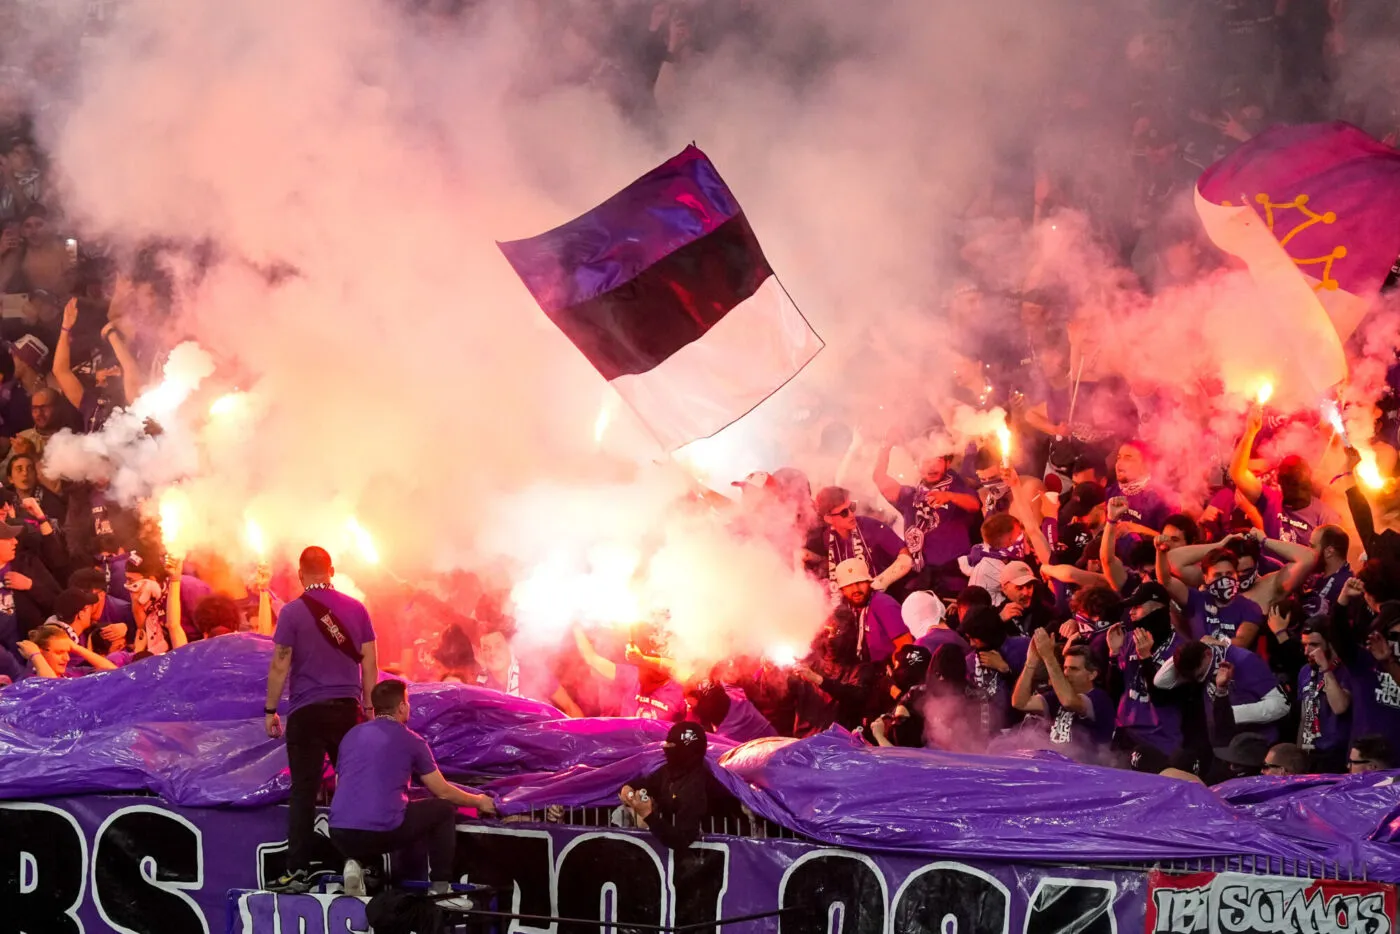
{"points": [[1239, 903]]}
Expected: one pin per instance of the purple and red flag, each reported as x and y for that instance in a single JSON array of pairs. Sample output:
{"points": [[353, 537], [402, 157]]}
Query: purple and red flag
{"points": [[666, 291], [1314, 211]]}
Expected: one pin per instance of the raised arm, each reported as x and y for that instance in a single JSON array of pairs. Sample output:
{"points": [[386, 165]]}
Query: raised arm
{"points": [[1166, 573], [1113, 568], [603, 666], [1069, 574], [1069, 698], [131, 375], [1021, 509], [63, 355], [1244, 479], [888, 486], [173, 611], [1023, 696]]}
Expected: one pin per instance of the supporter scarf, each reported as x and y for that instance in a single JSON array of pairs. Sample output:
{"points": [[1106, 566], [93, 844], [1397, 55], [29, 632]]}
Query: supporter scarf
{"points": [[1310, 716], [926, 518], [512, 678], [1135, 487], [1013, 552], [833, 558]]}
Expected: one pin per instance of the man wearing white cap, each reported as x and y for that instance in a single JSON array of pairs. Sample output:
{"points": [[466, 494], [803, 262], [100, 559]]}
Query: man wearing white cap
{"points": [[1029, 605], [882, 628]]}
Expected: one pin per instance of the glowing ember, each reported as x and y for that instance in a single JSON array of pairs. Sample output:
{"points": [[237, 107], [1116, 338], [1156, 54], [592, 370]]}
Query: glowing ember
{"points": [[1004, 438], [253, 533], [172, 518], [362, 540], [784, 656], [1369, 472], [226, 404], [1265, 393]]}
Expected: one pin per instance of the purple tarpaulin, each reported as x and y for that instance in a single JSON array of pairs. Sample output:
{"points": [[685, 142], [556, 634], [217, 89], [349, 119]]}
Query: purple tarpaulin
{"points": [[188, 726]]}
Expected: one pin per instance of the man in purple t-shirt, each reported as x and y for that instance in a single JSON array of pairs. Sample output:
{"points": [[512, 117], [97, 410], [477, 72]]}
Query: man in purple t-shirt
{"points": [[1079, 716], [643, 686], [325, 643], [371, 814], [881, 621], [939, 516], [845, 535], [1147, 509]]}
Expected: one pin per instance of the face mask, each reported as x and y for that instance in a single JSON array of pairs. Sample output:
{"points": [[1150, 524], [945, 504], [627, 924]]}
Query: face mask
{"points": [[1223, 589], [994, 490], [1249, 580]]}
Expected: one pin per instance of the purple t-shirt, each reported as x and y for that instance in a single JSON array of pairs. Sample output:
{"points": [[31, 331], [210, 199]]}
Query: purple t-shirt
{"points": [[942, 533], [743, 722], [1375, 701], [1159, 725], [1318, 727], [1147, 508], [990, 690], [320, 671], [1252, 681], [1293, 525], [884, 623], [1322, 591], [882, 546], [1207, 618], [1083, 737], [666, 703], [377, 761]]}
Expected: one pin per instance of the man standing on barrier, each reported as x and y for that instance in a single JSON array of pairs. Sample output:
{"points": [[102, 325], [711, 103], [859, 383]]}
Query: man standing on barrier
{"points": [[371, 814], [325, 642]]}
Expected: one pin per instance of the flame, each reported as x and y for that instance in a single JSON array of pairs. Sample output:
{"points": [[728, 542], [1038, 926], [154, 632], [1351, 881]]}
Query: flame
{"points": [[226, 404], [559, 592], [1333, 415], [253, 533], [187, 366], [1369, 472], [363, 541], [1265, 393], [1004, 438], [173, 507], [784, 656]]}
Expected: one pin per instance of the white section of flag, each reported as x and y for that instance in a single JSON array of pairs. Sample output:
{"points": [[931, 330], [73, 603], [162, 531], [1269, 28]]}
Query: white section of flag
{"points": [[711, 382]]}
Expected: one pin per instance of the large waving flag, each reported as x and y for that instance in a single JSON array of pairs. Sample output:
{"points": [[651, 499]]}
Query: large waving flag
{"points": [[1315, 213], [665, 290]]}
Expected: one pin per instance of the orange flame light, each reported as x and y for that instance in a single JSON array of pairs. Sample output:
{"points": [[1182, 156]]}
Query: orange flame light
{"points": [[1265, 393], [362, 540], [172, 519], [253, 533], [1004, 438]]}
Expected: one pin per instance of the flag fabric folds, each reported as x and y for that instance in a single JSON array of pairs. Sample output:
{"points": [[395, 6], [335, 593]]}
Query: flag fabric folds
{"points": [[1314, 211], [666, 291]]}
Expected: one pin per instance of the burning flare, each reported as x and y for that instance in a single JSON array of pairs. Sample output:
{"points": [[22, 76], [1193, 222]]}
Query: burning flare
{"points": [[173, 508], [253, 533], [1004, 439], [226, 404], [363, 541], [1369, 472], [1265, 393], [783, 656]]}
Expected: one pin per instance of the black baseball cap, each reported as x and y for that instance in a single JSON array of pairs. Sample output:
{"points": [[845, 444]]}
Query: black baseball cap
{"points": [[1150, 592], [1247, 750], [68, 604]]}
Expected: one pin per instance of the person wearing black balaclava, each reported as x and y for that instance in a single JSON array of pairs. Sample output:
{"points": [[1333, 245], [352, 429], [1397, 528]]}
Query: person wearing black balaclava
{"points": [[1149, 718], [673, 800]]}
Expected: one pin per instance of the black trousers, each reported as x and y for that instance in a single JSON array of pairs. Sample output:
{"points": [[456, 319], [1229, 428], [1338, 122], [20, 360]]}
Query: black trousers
{"points": [[429, 824], [313, 732]]}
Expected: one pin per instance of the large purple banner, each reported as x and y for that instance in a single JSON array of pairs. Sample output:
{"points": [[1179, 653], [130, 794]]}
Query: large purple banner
{"points": [[131, 864]]}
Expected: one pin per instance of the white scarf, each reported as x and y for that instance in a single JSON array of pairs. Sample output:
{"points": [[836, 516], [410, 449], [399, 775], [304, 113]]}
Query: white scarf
{"points": [[858, 550], [1135, 487], [512, 678]]}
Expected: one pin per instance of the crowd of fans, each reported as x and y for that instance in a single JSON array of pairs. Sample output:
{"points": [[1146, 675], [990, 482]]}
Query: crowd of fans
{"points": [[1062, 596]]}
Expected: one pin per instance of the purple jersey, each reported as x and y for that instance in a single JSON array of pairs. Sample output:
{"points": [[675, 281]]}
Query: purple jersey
{"points": [[1319, 728], [1085, 738], [880, 544], [1375, 701], [1293, 525], [942, 635], [939, 534], [320, 671], [1323, 590], [1146, 711], [882, 623], [1208, 618], [990, 690], [665, 703], [377, 760], [1147, 507]]}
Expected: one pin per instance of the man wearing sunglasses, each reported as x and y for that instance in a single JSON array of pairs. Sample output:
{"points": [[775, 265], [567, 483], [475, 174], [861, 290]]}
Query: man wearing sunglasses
{"points": [[847, 535]]}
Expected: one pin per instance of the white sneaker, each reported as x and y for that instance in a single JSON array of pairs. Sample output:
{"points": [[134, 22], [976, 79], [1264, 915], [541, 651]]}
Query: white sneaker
{"points": [[354, 879], [455, 903]]}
